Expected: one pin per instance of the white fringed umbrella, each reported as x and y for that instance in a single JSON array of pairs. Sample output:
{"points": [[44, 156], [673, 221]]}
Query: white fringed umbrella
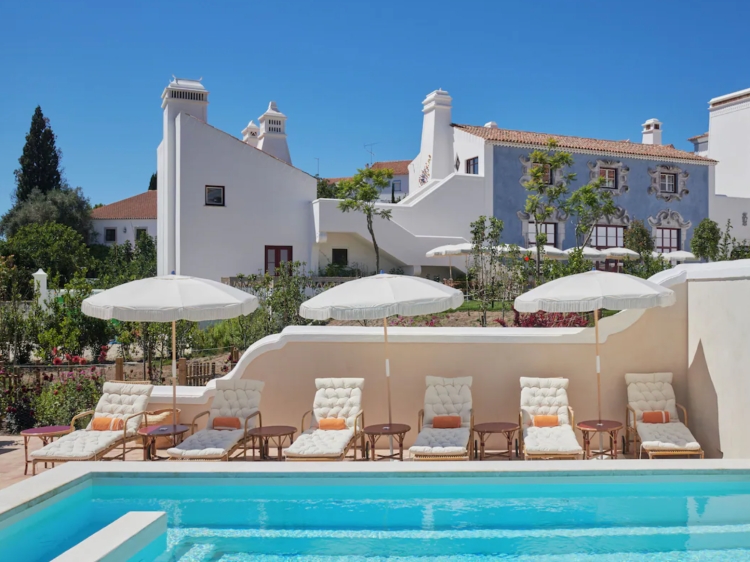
{"points": [[378, 297], [549, 252], [591, 292], [449, 251], [589, 253], [680, 255], [621, 254]]}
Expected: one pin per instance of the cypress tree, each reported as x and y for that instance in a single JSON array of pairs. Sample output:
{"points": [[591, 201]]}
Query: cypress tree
{"points": [[152, 182], [40, 161]]}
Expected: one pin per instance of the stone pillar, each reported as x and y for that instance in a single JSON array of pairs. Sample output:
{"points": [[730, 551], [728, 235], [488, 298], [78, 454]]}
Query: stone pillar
{"points": [[40, 284]]}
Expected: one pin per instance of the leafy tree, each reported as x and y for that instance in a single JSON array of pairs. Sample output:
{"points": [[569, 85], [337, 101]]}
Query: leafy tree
{"points": [[152, 182], [326, 189], [546, 189], [486, 258], [361, 193], [121, 263], [16, 338], [726, 243], [64, 206], [705, 241], [40, 160], [638, 238], [57, 249], [589, 204]]}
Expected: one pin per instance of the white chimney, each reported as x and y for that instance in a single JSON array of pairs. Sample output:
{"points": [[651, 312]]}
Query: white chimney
{"points": [[250, 134], [437, 134], [652, 132], [272, 136]]}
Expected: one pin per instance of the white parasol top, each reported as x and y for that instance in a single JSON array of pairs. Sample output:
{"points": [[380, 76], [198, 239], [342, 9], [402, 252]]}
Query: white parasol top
{"points": [[550, 252], [680, 255], [170, 298], [589, 253], [381, 296], [450, 250], [621, 254], [594, 290]]}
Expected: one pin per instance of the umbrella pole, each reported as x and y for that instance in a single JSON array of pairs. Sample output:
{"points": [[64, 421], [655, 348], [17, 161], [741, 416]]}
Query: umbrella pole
{"points": [[598, 382], [387, 379], [174, 371], [450, 265]]}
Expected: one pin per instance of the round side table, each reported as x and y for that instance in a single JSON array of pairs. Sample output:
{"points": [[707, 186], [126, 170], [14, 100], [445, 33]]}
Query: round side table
{"points": [[150, 433], [47, 434], [484, 430], [396, 430], [266, 434], [592, 427]]}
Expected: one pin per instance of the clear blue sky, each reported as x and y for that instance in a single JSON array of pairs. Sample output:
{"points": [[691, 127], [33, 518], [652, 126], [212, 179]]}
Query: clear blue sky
{"points": [[354, 72]]}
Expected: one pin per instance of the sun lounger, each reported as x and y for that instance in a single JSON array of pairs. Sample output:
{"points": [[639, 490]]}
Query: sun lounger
{"points": [[122, 401], [653, 392], [547, 397], [335, 399], [235, 399], [444, 397]]}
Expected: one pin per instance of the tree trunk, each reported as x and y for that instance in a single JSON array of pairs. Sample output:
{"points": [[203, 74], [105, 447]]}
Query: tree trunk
{"points": [[374, 243]]}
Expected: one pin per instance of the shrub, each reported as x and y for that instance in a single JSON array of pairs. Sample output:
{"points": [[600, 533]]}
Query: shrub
{"points": [[550, 320], [74, 393], [17, 405]]}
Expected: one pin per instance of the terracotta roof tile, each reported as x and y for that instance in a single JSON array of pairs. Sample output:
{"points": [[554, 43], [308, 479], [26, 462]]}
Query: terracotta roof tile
{"points": [[337, 180], [399, 167], [654, 151], [696, 137], [141, 206]]}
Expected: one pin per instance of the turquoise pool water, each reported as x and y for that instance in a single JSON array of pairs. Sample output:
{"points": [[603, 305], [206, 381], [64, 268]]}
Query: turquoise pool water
{"points": [[409, 517]]}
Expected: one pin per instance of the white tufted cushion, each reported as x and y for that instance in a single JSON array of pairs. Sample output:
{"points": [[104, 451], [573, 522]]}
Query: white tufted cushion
{"points": [[81, 444], [666, 436], [544, 397], [321, 442], [337, 398], [237, 399], [556, 439], [208, 443], [447, 397], [648, 392], [120, 400], [432, 441]]}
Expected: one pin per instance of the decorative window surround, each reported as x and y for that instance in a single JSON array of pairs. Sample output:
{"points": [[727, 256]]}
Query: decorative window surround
{"points": [[527, 165], [670, 219], [655, 188], [560, 218], [620, 218], [621, 185]]}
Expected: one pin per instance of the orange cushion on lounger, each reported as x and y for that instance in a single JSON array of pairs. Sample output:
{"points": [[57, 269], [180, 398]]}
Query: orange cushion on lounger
{"points": [[546, 421], [227, 423], [446, 422], [332, 423], [104, 423], [657, 416]]}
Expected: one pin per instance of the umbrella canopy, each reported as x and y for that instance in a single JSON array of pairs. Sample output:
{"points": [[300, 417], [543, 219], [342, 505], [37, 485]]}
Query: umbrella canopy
{"points": [[589, 253], [450, 250], [170, 298], [680, 255], [621, 254], [510, 248], [594, 290], [381, 296], [550, 252]]}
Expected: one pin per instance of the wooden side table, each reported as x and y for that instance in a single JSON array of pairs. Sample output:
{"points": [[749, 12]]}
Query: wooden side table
{"points": [[592, 427], [484, 430], [47, 434], [266, 434], [396, 430], [150, 433]]}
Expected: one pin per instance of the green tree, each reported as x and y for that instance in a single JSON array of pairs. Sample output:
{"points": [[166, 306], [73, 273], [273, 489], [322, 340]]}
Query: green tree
{"points": [[326, 189], [121, 263], [726, 244], [40, 160], [706, 239], [16, 337], [589, 205], [638, 238], [64, 206], [485, 269], [361, 193], [547, 186], [152, 182]]}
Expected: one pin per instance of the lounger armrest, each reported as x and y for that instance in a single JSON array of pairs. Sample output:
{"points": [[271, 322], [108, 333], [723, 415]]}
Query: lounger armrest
{"points": [[684, 413], [256, 413], [628, 412], [302, 424], [420, 420], [359, 422], [78, 416], [125, 423], [523, 416], [195, 418], [572, 417]]}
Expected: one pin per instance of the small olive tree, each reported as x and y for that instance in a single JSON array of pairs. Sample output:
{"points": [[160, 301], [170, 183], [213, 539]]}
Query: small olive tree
{"points": [[589, 205], [485, 270], [706, 239]]}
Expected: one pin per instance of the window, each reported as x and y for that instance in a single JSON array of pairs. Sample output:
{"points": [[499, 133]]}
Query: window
{"points": [[340, 256], [548, 228], [609, 176], [397, 185], [110, 235], [546, 172], [472, 165], [606, 236], [215, 195], [668, 183], [140, 232], [276, 255], [667, 239]]}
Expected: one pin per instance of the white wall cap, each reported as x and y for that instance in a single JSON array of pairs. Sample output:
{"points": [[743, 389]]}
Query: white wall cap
{"points": [[186, 84], [438, 97], [273, 111], [728, 97]]}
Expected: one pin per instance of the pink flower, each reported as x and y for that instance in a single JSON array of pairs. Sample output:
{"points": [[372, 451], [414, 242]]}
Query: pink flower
{"points": [[57, 361]]}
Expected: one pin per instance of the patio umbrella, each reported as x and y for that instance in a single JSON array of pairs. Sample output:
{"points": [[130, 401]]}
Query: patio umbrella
{"points": [[450, 250], [550, 252], [167, 299], [506, 249], [621, 254], [589, 253], [680, 255], [590, 292], [378, 297]]}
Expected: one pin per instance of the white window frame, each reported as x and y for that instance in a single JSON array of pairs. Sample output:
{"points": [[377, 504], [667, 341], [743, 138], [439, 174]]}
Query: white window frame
{"points": [[609, 183], [397, 186], [669, 186], [546, 228]]}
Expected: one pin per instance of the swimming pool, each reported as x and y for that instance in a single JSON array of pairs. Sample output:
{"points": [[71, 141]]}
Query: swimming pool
{"points": [[439, 514]]}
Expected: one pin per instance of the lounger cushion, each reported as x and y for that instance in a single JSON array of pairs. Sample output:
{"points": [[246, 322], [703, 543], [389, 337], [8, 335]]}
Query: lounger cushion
{"points": [[448, 397], [673, 435], [208, 443], [320, 443], [648, 392], [120, 400], [81, 444], [236, 399], [544, 397], [431, 441], [338, 398], [558, 439]]}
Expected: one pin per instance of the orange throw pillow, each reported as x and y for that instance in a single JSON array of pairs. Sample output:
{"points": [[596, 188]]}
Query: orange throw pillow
{"points": [[657, 416], [227, 423], [105, 423], [546, 421], [446, 422], [332, 423]]}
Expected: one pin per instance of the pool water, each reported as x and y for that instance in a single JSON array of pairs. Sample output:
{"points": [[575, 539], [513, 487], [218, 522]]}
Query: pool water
{"points": [[408, 517]]}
